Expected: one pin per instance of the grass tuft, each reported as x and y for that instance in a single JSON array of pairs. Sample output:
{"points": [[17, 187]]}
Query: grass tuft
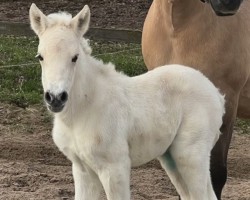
{"points": [[244, 125]]}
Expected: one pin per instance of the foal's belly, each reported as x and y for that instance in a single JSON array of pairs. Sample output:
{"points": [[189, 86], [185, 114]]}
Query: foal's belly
{"points": [[145, 148]]}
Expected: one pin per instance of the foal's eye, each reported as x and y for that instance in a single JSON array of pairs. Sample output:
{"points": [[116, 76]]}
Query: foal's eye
{"points": [[39, 57], [74, 59]]}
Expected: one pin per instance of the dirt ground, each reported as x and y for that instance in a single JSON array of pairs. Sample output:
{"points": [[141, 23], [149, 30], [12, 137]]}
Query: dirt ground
{"points": [[125, 14], [31, 167]]}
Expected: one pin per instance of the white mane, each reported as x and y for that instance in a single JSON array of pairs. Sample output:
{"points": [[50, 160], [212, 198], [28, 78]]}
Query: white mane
{"points": [[64, 19], [60, 18], [86, 46]]}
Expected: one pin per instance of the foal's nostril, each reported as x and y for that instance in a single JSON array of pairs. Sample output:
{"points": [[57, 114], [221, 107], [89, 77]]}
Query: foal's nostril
{"points": [[48, 97], [63, 97], [55, 103]]}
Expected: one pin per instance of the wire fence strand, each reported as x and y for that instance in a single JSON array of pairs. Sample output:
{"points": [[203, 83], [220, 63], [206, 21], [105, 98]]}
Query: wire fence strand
{"points": [[18, 65], [95, 55]]}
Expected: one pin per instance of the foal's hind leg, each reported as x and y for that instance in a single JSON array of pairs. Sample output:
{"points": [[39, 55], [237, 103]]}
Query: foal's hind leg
{"points": [[169, 165], [190, 172]]}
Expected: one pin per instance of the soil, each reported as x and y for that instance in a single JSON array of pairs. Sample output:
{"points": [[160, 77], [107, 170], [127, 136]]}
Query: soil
{"points": [[125, 14], [31, 167]]}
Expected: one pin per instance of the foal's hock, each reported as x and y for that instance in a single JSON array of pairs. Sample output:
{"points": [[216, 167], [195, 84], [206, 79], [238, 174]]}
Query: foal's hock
{"points": [[106, 122]]}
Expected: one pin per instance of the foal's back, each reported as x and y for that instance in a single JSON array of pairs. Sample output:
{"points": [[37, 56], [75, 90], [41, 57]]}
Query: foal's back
{"points": [[168, 103], [176, 114]]}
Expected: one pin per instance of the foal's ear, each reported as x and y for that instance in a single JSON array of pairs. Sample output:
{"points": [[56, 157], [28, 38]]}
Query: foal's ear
{"points": [[38, 20], [80, 22]]}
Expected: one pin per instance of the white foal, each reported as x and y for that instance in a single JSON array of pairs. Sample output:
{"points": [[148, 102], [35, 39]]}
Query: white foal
{"points": [[106, 122]]}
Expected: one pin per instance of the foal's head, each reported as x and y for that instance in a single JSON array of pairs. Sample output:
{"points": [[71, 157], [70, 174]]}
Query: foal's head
{"points": [[59, 49]]}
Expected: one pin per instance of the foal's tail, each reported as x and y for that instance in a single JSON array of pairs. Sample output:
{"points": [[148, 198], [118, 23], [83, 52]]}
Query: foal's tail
{"points": [[222, 101], [221, 113]]}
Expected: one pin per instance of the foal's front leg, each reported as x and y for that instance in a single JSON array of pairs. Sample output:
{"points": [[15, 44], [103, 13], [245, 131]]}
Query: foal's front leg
{"points": [[115, 179], [87, 183]]}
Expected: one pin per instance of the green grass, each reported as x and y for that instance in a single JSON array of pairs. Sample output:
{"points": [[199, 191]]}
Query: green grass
{"points": [[21, 85], [244, 125]]}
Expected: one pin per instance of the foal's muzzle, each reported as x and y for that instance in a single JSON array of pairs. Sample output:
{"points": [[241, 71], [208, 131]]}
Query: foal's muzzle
{"points": [[56, 103], [224, 7]]}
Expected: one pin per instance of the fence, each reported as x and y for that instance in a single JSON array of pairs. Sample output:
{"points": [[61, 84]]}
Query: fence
{"points": [[129, 36]]}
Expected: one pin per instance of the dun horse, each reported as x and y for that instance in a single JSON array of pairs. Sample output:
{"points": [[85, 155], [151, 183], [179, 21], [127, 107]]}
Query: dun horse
{"points": [[188, 32], [224, 7], [106, 122]]}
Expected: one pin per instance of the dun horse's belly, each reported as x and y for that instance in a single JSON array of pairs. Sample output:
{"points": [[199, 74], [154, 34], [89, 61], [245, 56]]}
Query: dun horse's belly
{"points": [[244, 102]]}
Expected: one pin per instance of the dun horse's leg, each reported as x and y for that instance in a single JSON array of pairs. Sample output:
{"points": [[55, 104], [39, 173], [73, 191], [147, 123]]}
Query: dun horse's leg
{"points": [[210, 190], [219, 162], [218, 166]]}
